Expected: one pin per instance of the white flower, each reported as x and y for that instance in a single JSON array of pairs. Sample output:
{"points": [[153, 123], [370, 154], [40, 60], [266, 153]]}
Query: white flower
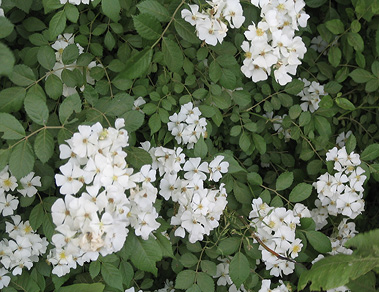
{"points": [[193, 167], [217, 167], [29, 184], [8, 204], [4, 279]]}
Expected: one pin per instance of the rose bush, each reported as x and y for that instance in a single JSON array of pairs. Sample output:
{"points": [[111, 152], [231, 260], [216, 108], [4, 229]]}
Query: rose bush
{"points": [[165, 145]]}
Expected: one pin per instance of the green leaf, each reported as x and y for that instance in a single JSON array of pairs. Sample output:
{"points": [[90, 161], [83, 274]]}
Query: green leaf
{"points": [[4, 157], [46, 57], [146, 253], [94, 269], [355, 40], [185, 279], [301, 192], [11, 127], [361, 76], [319, 241], [335, 26], [133, 120], [44, 145], [138, 64], [57, 24], [70, 54], [215, 71], [22, 75], [54, 86], [72, 12], [138, 157], [254, 178], [201, 148], [332, 87], [154, 8], [48, 226], [245, 142], [36, 216], [260, 143], [172, 54], [334, 56], [111, 8], [154, 123], [6, 27], [242, 193], [371, 152], [165, 245], [208, 267], [363, 283], [188, 260], [21, 160], [205, 282], [111, 275], [228, 79], [322, 126], [147, 26], [229, 246], [109, 41], [315, 3], [284, 181], [294, 87], [186, 31], [83, 287], [241, 97], [347, 267], [239, 269], [344, 103], [7, 60], [33, 24], [36, 108], [69, 105], [23, 5], [14, 104]]}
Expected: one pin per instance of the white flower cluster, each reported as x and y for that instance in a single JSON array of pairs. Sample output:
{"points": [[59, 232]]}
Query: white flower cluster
{"points": [[96, 222], [75, 2], [276, 228], [199, 208], [222, 273], [267, 283], [187, 126], [22, 249], [341, 193], [59, 45], [211, 25], [311, 95], [272, 42]]}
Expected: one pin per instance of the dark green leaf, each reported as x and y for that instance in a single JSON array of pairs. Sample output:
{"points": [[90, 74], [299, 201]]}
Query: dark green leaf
{"points": [[172, 54], [301, 192], [294, 87], [94, 269], [72, 12], [54, 86], [201, 148], [259, 143], [335, 26], [36, 108], [138, 64], [111, 8], [137, 157], [205, 282], [371, 152], [284, 181], [254, 178], [334, 56], [83, 287], [355, 40], [69, 105], [147, 26], [46, 57], [188, 260], [21, 160], [7, 60], [361, 76], [344, 103], [12, 99], [70, 54], [154, 123], [22, 75], [229, 246], [186, 31], [11, 127], [44, 145], [6, 27], [57, 24], [185, 279], [319, 241], [36, 216], [111, 275], [239, 269], [154, 8]]}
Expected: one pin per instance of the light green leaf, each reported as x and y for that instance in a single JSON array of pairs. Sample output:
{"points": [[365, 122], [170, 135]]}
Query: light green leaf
{"points": [[260, 143], [284, 181], [22, 75], [111, 275], [36, 216], [172, 54], [13, 104], [165, 245], [46, 57], [344, 103], [133, 120], [301, 192], [185, 279], [72, 12], [201, 148], [205, 282], [239, 269], [6, 27], [138, 157], [21, 160], [69, 105], [111, 8], [146, 253], [229, 245], [186, 31], [355, 40], [154, 8], [7, 60], [138, 64], [70, 54], [347, 267], [363, 283], [44, 145], [54, 86], [294, 87], [147, 26], [57, 24], [371, 152], [319, 241], [83, 287], [335, 26], [94, 269], [11, 127], [36, 108], [154, 123]]}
